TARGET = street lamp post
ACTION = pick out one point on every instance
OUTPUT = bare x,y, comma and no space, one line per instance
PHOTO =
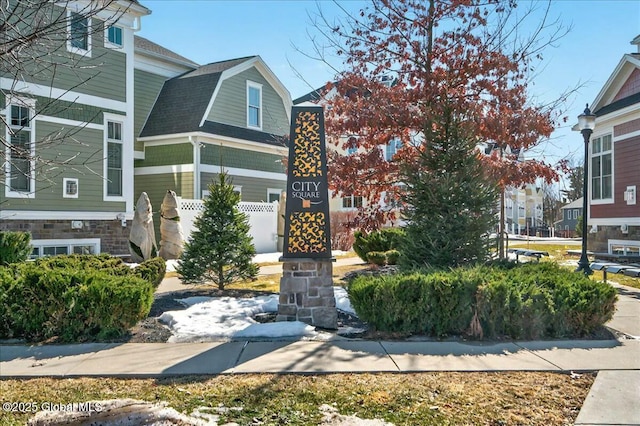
586,124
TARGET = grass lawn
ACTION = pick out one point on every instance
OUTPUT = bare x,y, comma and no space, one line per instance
407,399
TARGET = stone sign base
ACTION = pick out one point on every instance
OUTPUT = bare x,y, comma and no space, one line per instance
306,292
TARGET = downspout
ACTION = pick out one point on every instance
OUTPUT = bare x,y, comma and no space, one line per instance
196,167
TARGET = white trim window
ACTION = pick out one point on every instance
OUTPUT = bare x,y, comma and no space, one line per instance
70,188
78,33
42,248
352,202
114,164
602,168
273,194
113,36
20,150
254,105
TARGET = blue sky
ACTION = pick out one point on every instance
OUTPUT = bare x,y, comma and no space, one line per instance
213,30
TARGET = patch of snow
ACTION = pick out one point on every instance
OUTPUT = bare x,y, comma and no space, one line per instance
331,416
216,318
342,300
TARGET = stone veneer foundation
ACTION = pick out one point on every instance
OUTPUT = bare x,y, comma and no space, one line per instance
306,293
114,238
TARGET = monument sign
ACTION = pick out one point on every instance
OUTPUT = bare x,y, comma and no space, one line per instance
306,286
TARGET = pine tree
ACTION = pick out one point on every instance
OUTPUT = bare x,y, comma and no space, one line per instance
221,248
450,202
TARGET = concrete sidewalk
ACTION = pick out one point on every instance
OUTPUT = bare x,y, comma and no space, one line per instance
613,398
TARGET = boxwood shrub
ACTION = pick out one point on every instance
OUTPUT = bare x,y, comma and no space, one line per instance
381,240
524,302
74,298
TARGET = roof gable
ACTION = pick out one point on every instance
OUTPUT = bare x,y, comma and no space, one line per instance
620,84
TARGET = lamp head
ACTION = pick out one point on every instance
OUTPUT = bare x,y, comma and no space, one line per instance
586,120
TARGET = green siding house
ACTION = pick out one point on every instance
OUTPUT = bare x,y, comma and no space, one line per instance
231,115
112,115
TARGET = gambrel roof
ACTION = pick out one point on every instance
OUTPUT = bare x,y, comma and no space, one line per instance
185,101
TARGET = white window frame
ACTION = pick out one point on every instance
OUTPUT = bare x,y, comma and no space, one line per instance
258,86
70,47
30,104
111,118
601,153
625,243
69,243
274,191
352,199
66,181
108,43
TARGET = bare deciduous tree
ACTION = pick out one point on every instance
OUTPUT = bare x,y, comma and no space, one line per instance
41,40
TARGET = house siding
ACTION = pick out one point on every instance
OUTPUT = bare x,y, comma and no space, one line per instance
103,74
234,157
626,160
146,88
167,155
87,167
253,189
630,87
230,105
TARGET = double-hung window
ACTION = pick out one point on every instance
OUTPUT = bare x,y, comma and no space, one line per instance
20,150
601,168
254,105
79,38
114,159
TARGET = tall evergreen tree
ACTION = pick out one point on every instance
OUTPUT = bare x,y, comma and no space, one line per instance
450,203
221,248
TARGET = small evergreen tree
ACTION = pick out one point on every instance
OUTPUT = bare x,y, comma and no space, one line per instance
220,249
450,201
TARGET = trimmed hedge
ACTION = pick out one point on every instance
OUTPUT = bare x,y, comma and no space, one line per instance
75,298
525,302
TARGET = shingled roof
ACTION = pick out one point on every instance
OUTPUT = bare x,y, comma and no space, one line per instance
147,46
183,102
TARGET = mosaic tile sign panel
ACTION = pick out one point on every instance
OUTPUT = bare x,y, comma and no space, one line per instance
306,233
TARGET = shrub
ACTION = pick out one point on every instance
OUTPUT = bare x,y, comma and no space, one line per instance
382,240
152,270
377,258
529,301
74,298
392,256
14,247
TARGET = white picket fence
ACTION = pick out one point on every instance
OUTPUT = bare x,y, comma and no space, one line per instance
263,219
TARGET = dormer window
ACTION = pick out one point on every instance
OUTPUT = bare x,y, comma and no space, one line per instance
254,105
